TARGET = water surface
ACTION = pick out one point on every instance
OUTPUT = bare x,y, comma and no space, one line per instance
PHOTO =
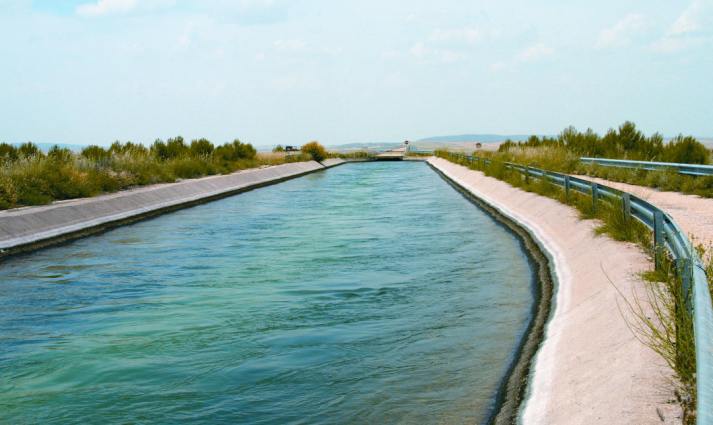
369,293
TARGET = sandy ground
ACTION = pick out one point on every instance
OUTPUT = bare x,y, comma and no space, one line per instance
590,369
693,213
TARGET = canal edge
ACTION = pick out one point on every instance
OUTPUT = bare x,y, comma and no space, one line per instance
97,226
514,388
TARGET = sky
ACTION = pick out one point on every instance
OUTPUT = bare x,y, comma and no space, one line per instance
275,71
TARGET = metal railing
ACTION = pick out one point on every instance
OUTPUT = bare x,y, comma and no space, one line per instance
688,169
667,236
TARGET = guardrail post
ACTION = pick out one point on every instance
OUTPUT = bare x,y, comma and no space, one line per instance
566,187
658,239
683,265
527,174
595,197
681,269
626,205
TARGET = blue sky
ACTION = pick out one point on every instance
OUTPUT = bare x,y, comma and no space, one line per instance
274,71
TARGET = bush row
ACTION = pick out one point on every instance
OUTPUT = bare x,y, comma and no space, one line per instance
626,142
30,177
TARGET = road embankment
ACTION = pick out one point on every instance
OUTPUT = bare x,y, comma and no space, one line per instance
25,229
590,367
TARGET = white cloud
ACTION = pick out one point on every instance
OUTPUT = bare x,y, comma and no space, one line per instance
692,19
622,32
462,35
444,45
425,53
290,45
419,50
186,36
693,26
105,7
498,66
670,44
118,7
535,52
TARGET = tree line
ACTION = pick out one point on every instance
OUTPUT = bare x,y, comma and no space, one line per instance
625,142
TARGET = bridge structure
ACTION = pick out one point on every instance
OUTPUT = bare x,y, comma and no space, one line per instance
396,154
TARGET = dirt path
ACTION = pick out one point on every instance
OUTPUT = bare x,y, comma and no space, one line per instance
693,213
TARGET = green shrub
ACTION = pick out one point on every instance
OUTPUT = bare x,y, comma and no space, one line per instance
685,150
29,150
201,147
171,149
128,148
96,153
59,154
315,150
234,151
28,177
8,153
188,168
8,194
31,186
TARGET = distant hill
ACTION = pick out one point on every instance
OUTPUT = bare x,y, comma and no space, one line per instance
367,145
484,138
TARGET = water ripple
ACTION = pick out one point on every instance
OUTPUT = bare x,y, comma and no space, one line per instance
369,293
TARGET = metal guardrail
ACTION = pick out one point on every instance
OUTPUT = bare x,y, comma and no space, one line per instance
669,236
688,169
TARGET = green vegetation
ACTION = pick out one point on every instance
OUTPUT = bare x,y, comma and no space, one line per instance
315,150
562,154
353,155
663,322
626,142
30,177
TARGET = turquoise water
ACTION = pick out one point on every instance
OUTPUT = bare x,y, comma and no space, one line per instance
368,293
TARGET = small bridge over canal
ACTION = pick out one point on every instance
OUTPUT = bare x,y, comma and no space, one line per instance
396,154
392,154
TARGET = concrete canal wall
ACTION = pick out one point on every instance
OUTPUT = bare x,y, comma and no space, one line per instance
590,368
332,162
29,228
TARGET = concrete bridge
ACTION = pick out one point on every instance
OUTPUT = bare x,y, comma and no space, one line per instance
397,154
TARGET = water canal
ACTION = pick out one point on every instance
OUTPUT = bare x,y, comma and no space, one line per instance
368,293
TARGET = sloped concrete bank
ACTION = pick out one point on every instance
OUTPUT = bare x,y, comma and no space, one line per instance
514,383
27,229
590,368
